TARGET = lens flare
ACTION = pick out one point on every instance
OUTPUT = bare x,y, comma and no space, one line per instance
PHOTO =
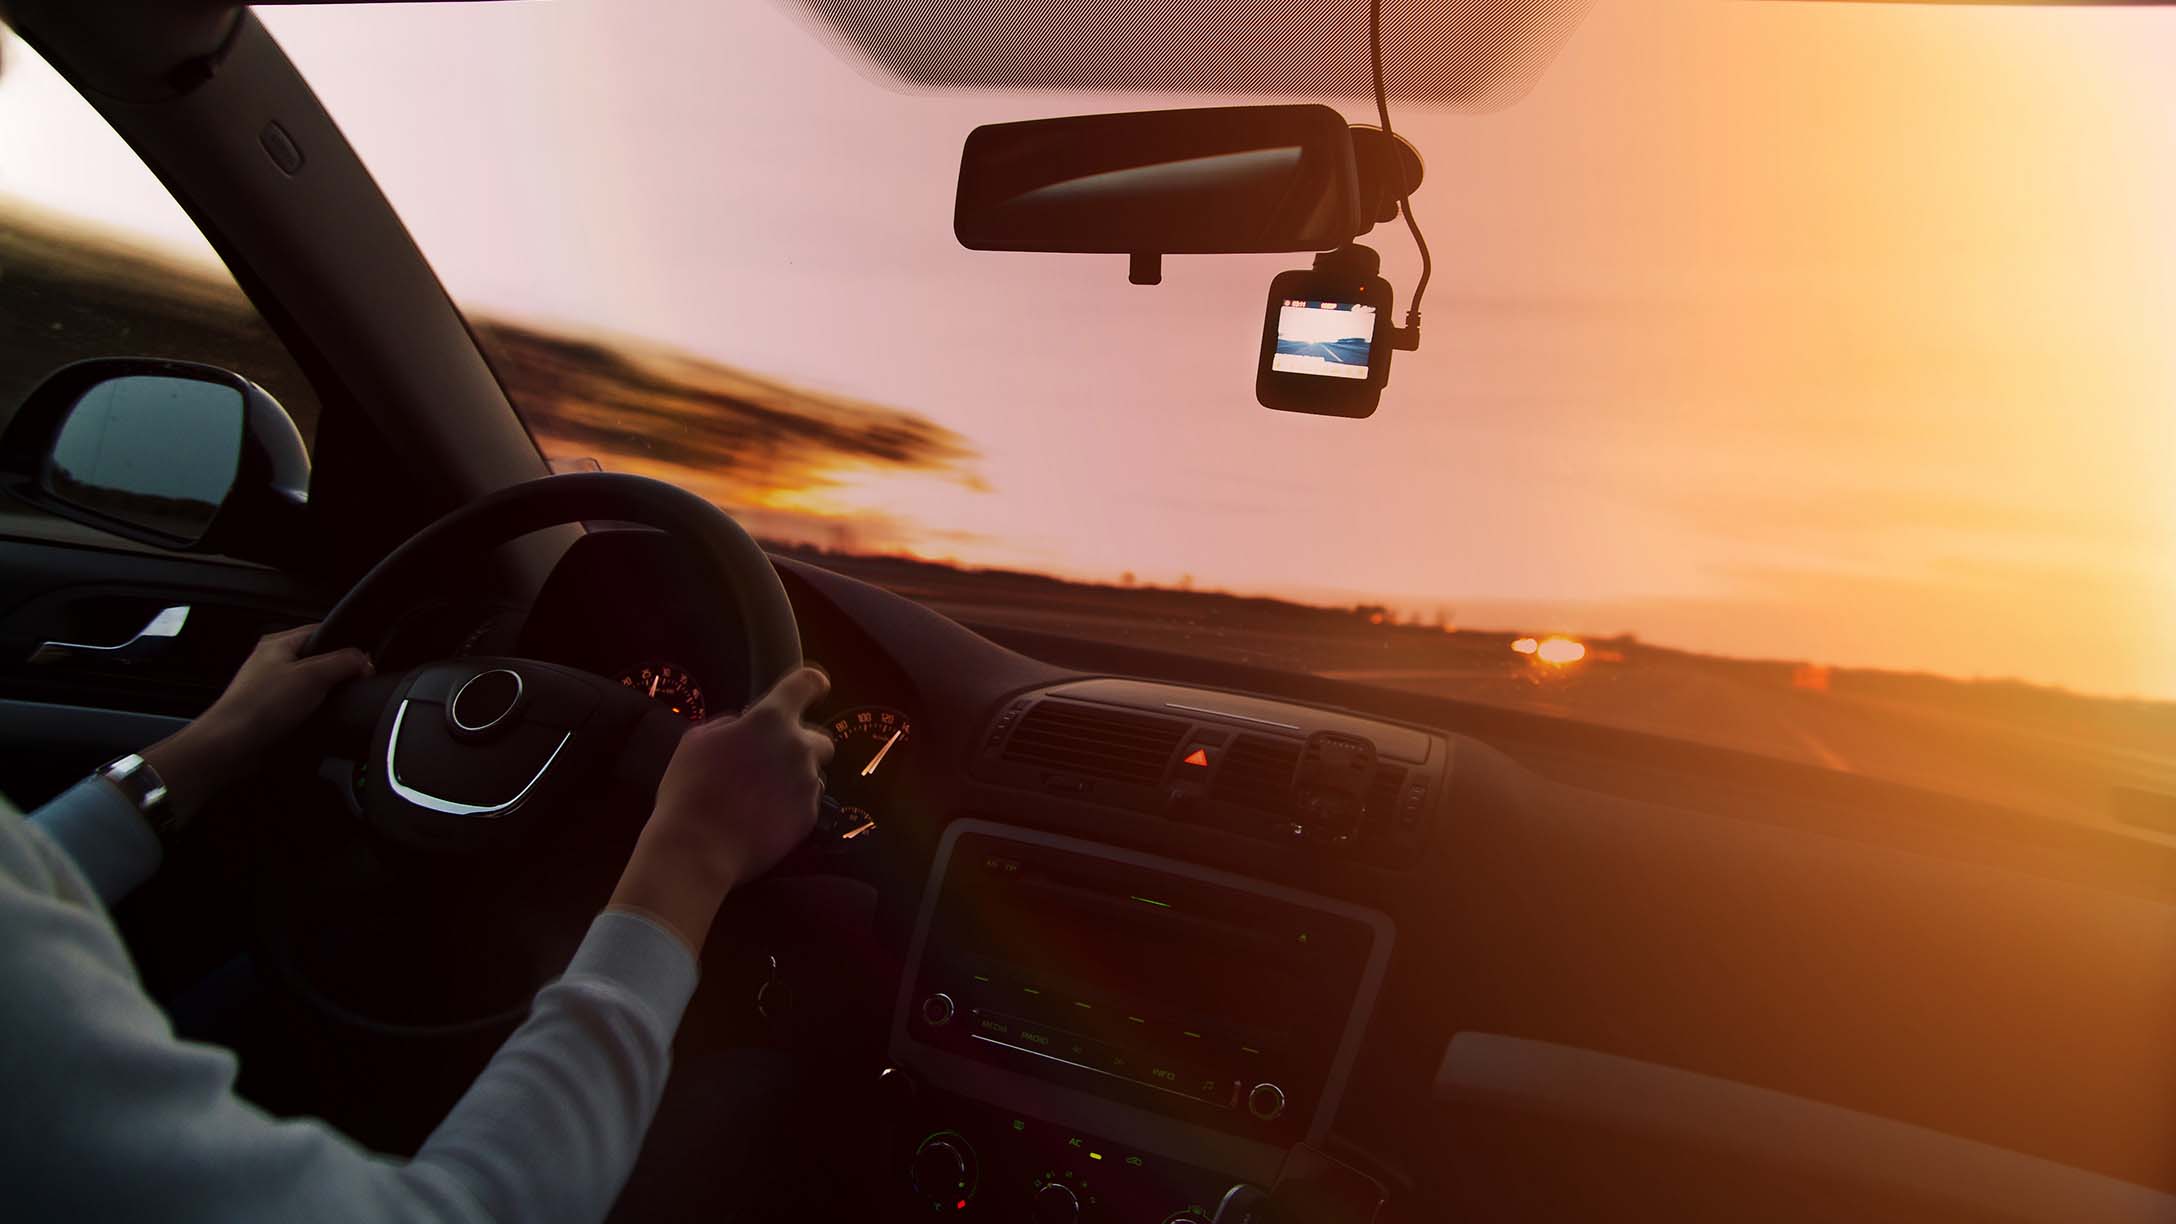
1560,651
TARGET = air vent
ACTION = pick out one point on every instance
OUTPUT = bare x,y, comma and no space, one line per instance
1258,771
1095,742
1383,790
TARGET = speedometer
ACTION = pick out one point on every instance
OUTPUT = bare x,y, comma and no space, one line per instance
871,742
868,738
670,685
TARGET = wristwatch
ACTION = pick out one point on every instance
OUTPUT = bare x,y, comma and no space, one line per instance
145,790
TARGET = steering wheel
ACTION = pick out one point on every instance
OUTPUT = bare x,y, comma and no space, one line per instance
488,783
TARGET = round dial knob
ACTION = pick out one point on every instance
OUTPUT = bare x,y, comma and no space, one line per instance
1056,1204
937,1010
1266,1102
943,1171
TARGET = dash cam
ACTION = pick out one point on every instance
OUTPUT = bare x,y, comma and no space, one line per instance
1327,337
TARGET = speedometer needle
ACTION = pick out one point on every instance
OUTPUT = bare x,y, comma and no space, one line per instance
878,759
653,684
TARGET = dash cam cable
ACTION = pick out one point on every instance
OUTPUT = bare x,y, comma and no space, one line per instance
1405,201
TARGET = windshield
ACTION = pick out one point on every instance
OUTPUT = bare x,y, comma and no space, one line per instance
1794,376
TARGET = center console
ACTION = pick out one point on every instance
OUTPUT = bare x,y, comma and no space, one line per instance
1106,1035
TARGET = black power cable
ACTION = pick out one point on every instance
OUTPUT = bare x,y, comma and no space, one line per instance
1405,202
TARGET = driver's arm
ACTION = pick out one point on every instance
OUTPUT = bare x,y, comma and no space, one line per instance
276,689
111,1117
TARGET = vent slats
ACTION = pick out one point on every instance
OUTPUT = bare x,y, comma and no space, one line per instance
1258,771
1096,742
1255,771
1383,790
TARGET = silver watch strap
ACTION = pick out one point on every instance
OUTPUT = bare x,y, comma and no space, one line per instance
144,789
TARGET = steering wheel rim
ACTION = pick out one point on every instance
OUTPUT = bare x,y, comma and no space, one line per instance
612,735
736,563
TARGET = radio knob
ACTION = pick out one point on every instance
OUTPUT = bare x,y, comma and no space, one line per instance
1056,1204
937,1010
943,1170
1266,1102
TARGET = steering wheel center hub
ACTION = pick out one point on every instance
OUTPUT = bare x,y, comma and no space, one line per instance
484,701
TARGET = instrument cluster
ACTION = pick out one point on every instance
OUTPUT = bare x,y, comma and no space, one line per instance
872,742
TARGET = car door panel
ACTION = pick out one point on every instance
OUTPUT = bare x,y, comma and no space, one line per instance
70,697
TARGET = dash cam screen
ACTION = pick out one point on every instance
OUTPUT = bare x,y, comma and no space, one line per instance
1326,338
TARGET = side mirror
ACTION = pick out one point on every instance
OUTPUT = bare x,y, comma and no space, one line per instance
169,453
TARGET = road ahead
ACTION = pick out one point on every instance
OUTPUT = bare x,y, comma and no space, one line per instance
2034,766
1344,352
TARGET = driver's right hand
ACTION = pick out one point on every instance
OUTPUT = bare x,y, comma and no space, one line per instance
739,795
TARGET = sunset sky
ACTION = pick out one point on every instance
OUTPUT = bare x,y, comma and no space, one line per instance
1823,331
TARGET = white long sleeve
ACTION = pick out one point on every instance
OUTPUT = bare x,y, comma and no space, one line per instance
108,1116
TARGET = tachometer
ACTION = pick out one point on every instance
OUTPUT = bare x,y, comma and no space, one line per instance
670,685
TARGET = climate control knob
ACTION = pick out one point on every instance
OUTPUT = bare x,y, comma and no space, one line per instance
943,1170
1056,1204
1266,1102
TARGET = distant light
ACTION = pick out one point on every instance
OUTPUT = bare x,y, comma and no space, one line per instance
1526,646
1561,651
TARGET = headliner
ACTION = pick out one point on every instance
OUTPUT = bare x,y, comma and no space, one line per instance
1475,55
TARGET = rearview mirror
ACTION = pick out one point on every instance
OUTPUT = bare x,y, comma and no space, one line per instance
170,453
1220,180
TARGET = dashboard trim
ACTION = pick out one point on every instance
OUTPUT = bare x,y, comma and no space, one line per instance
1249,718
1249,1159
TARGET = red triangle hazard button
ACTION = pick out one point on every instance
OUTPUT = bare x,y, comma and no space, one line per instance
1199,756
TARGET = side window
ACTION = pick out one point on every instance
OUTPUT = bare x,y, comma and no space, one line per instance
97,260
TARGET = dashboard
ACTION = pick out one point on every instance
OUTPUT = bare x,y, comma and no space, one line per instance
1147,944
1067,1000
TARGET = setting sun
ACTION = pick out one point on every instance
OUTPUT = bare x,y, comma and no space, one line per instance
1560,651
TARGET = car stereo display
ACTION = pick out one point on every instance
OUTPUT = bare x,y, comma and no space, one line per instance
1189,999
1330,339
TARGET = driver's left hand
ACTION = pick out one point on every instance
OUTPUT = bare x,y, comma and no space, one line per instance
273,693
